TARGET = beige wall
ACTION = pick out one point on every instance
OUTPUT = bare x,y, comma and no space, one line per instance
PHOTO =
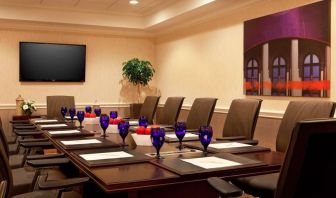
207,60
104,58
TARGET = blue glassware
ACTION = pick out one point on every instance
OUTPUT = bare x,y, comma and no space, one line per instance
80,117
64,110
97,111
157,138
180,131
143,121
72,113
205,136
123,130
113,114
88,109
104,123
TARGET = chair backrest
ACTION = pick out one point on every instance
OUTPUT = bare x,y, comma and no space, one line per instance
201,112
309,166
5,171
171,110
3,189
54,104
149,106
297,111
242,118
3,141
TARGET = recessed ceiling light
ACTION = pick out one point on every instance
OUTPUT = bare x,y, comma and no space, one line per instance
133,2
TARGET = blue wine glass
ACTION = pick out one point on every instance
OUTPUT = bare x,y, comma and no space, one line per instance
72,113
88,109
80,117
64,110
143,121
180,131
97,111
104,123
113,114
123,130
157,138
205,136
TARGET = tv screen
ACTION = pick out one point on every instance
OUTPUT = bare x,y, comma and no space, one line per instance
52,62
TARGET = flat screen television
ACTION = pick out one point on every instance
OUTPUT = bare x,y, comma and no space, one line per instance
52,62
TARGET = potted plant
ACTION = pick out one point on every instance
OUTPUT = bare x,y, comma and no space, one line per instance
28,107
138,72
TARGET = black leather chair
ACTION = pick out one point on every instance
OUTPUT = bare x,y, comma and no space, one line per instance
148,108
309,166
170,111
20,182
264,185
241,120
54,104
200,113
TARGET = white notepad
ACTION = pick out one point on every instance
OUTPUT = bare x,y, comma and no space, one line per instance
133,122
64,132
189,135
77,142
53,125
44,121
105,155
68,117
228,145
211,162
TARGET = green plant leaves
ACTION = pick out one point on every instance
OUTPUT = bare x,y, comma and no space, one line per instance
138,71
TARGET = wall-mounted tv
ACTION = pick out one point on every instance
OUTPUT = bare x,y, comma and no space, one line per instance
52,62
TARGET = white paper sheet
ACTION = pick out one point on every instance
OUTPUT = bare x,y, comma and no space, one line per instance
52,125
44,121
211,162
105,155
64,132
189,135
228,145
133,122
68,117
77,142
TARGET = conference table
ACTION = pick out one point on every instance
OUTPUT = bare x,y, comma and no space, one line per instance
143,175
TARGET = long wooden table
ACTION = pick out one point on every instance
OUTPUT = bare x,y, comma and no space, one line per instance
160,178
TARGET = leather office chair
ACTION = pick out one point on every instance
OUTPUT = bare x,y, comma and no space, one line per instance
241,120
54,104
148,108
309,166
200,113
12,184
171,111
264,185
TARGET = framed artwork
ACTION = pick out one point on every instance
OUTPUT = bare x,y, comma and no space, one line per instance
288,53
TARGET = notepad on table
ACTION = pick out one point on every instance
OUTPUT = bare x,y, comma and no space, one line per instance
211,162
68,117
105,155
53,125
45,121
77,142
228,145
133,122
187,135
64,132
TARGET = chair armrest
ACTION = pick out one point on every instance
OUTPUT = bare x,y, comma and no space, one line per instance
50,156
34,140
25,127
64,183
3,189
28,133
251,142
47,162
36,144
224,188
232,138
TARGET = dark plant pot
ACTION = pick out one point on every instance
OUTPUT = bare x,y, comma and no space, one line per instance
135,110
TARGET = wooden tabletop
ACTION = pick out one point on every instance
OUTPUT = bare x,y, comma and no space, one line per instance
152,178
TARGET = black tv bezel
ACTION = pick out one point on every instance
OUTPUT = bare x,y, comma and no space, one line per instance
51,80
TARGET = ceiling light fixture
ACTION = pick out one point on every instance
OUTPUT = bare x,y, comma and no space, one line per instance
133,2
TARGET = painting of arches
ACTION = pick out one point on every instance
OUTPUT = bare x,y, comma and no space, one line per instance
288,53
